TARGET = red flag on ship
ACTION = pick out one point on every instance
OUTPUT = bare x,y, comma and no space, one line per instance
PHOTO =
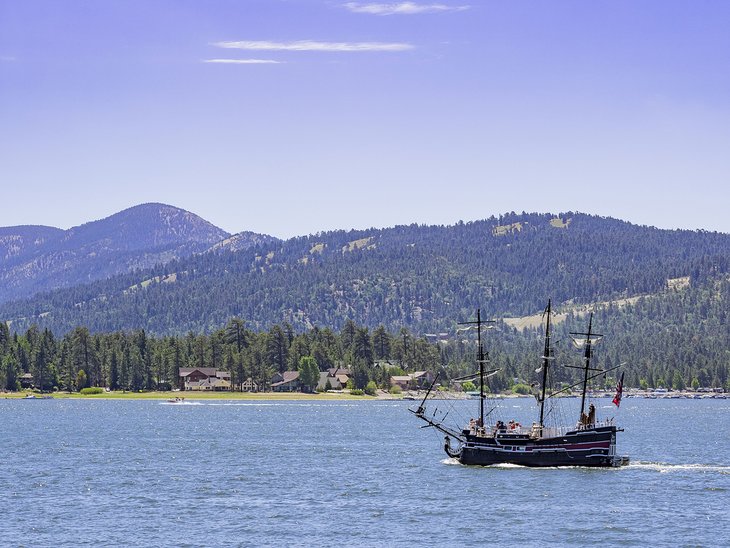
619,391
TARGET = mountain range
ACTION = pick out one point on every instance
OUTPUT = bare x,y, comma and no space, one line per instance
40,258
167,271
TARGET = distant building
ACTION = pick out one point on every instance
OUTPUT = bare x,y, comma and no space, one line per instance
403,381
26,381
422,379
204,378
442,338
335,378
413,381
288,381
249,385
340,374
327,382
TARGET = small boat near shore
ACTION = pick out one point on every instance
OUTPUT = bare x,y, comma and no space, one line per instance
589,442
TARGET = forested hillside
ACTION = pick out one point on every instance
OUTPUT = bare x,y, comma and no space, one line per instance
425,278
675,340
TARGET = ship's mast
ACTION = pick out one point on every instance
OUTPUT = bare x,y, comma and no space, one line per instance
480,357
587,340
545,364
481,360
586,365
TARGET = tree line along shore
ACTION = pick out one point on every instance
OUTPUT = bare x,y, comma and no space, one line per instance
134,361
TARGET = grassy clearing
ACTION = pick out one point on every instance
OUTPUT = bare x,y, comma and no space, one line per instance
501,230
537,320
559,223
356,244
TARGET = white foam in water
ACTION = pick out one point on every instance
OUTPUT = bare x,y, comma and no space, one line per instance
663,467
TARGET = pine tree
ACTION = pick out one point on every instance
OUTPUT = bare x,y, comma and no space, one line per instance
277,349
236,333
113,371
381,343
362,349
10,370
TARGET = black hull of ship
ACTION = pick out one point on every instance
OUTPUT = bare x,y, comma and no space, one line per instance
592,447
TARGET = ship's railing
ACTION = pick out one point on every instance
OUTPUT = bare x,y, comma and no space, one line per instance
596,424
550,431
555,431
535,430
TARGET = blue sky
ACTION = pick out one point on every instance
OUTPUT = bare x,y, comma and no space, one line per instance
291,117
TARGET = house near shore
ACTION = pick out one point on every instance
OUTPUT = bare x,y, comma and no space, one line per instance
204,379
26,381
417,380
338,375
402,381
288,381
328,382
249,385
335,378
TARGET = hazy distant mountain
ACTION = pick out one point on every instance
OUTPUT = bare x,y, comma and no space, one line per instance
39,258
422,277
21,241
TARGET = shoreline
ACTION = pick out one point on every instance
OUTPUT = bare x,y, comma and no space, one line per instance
188,396
300,396
326,396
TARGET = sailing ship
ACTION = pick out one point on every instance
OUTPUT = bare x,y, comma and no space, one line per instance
589,442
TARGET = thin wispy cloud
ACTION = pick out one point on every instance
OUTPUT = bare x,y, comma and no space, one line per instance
400,8
310,45
243,61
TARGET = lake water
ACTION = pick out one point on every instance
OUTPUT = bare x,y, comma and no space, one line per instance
143,473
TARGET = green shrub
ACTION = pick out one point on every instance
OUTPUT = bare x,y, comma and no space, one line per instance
520,388
356,392
371,388
395,390
91,390
469,386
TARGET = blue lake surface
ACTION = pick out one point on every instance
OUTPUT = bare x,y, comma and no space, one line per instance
144,473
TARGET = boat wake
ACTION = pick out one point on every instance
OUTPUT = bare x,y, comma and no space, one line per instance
512,466
180,403
665,468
